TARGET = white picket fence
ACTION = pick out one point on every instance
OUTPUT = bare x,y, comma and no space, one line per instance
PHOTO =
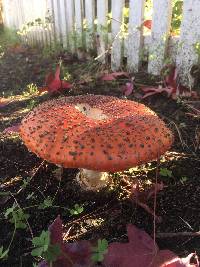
75,22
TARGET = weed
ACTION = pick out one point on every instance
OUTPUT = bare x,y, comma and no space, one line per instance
3,253
165,172
17,217
44,249
183,179
47,203
31,89
76,210
32,103
100,250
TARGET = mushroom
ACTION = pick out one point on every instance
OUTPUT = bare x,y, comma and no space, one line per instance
97,134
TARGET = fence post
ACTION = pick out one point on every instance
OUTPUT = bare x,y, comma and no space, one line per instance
162,13
89,14
78,23
135,34
50,28
117,15
102,12
189,38
63,23
1,15
70,24
57,15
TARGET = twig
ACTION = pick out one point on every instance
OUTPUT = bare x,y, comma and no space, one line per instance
154,202
32,176
165,235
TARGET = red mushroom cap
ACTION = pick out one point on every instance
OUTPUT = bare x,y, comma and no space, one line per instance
126,133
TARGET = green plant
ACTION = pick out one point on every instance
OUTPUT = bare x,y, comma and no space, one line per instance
176,16
17,216
183,179
76,210
3,253
31,89
100,250
165,172
48,202
32,103
43,247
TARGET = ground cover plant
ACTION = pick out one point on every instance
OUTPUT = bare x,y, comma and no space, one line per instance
34,192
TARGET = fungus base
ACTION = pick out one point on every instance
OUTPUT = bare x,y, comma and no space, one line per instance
92,180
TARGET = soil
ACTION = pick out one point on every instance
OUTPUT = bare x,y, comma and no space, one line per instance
107,212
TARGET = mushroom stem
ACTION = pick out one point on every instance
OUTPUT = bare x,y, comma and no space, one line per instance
92,180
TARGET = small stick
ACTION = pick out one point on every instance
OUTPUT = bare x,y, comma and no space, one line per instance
165,235
32,176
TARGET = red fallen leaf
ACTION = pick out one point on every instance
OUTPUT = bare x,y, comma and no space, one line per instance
141,197
53,83
172,87
4,102
114,75
127,89
148,23
141,251
72,254
171,78
156,90
12,129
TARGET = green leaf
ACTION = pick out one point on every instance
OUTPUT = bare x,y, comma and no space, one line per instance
52,253
76,210
19,218
36,252
8,211
165,172
48,202
30,196
102,244
42,241
97,257
100,250
3,253
183,179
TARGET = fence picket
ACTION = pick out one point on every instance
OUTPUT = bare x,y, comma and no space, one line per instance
51,29
56,15
134,42
63,23
78,23
189,37
161,22
102,12
89,14
70,23
117,14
